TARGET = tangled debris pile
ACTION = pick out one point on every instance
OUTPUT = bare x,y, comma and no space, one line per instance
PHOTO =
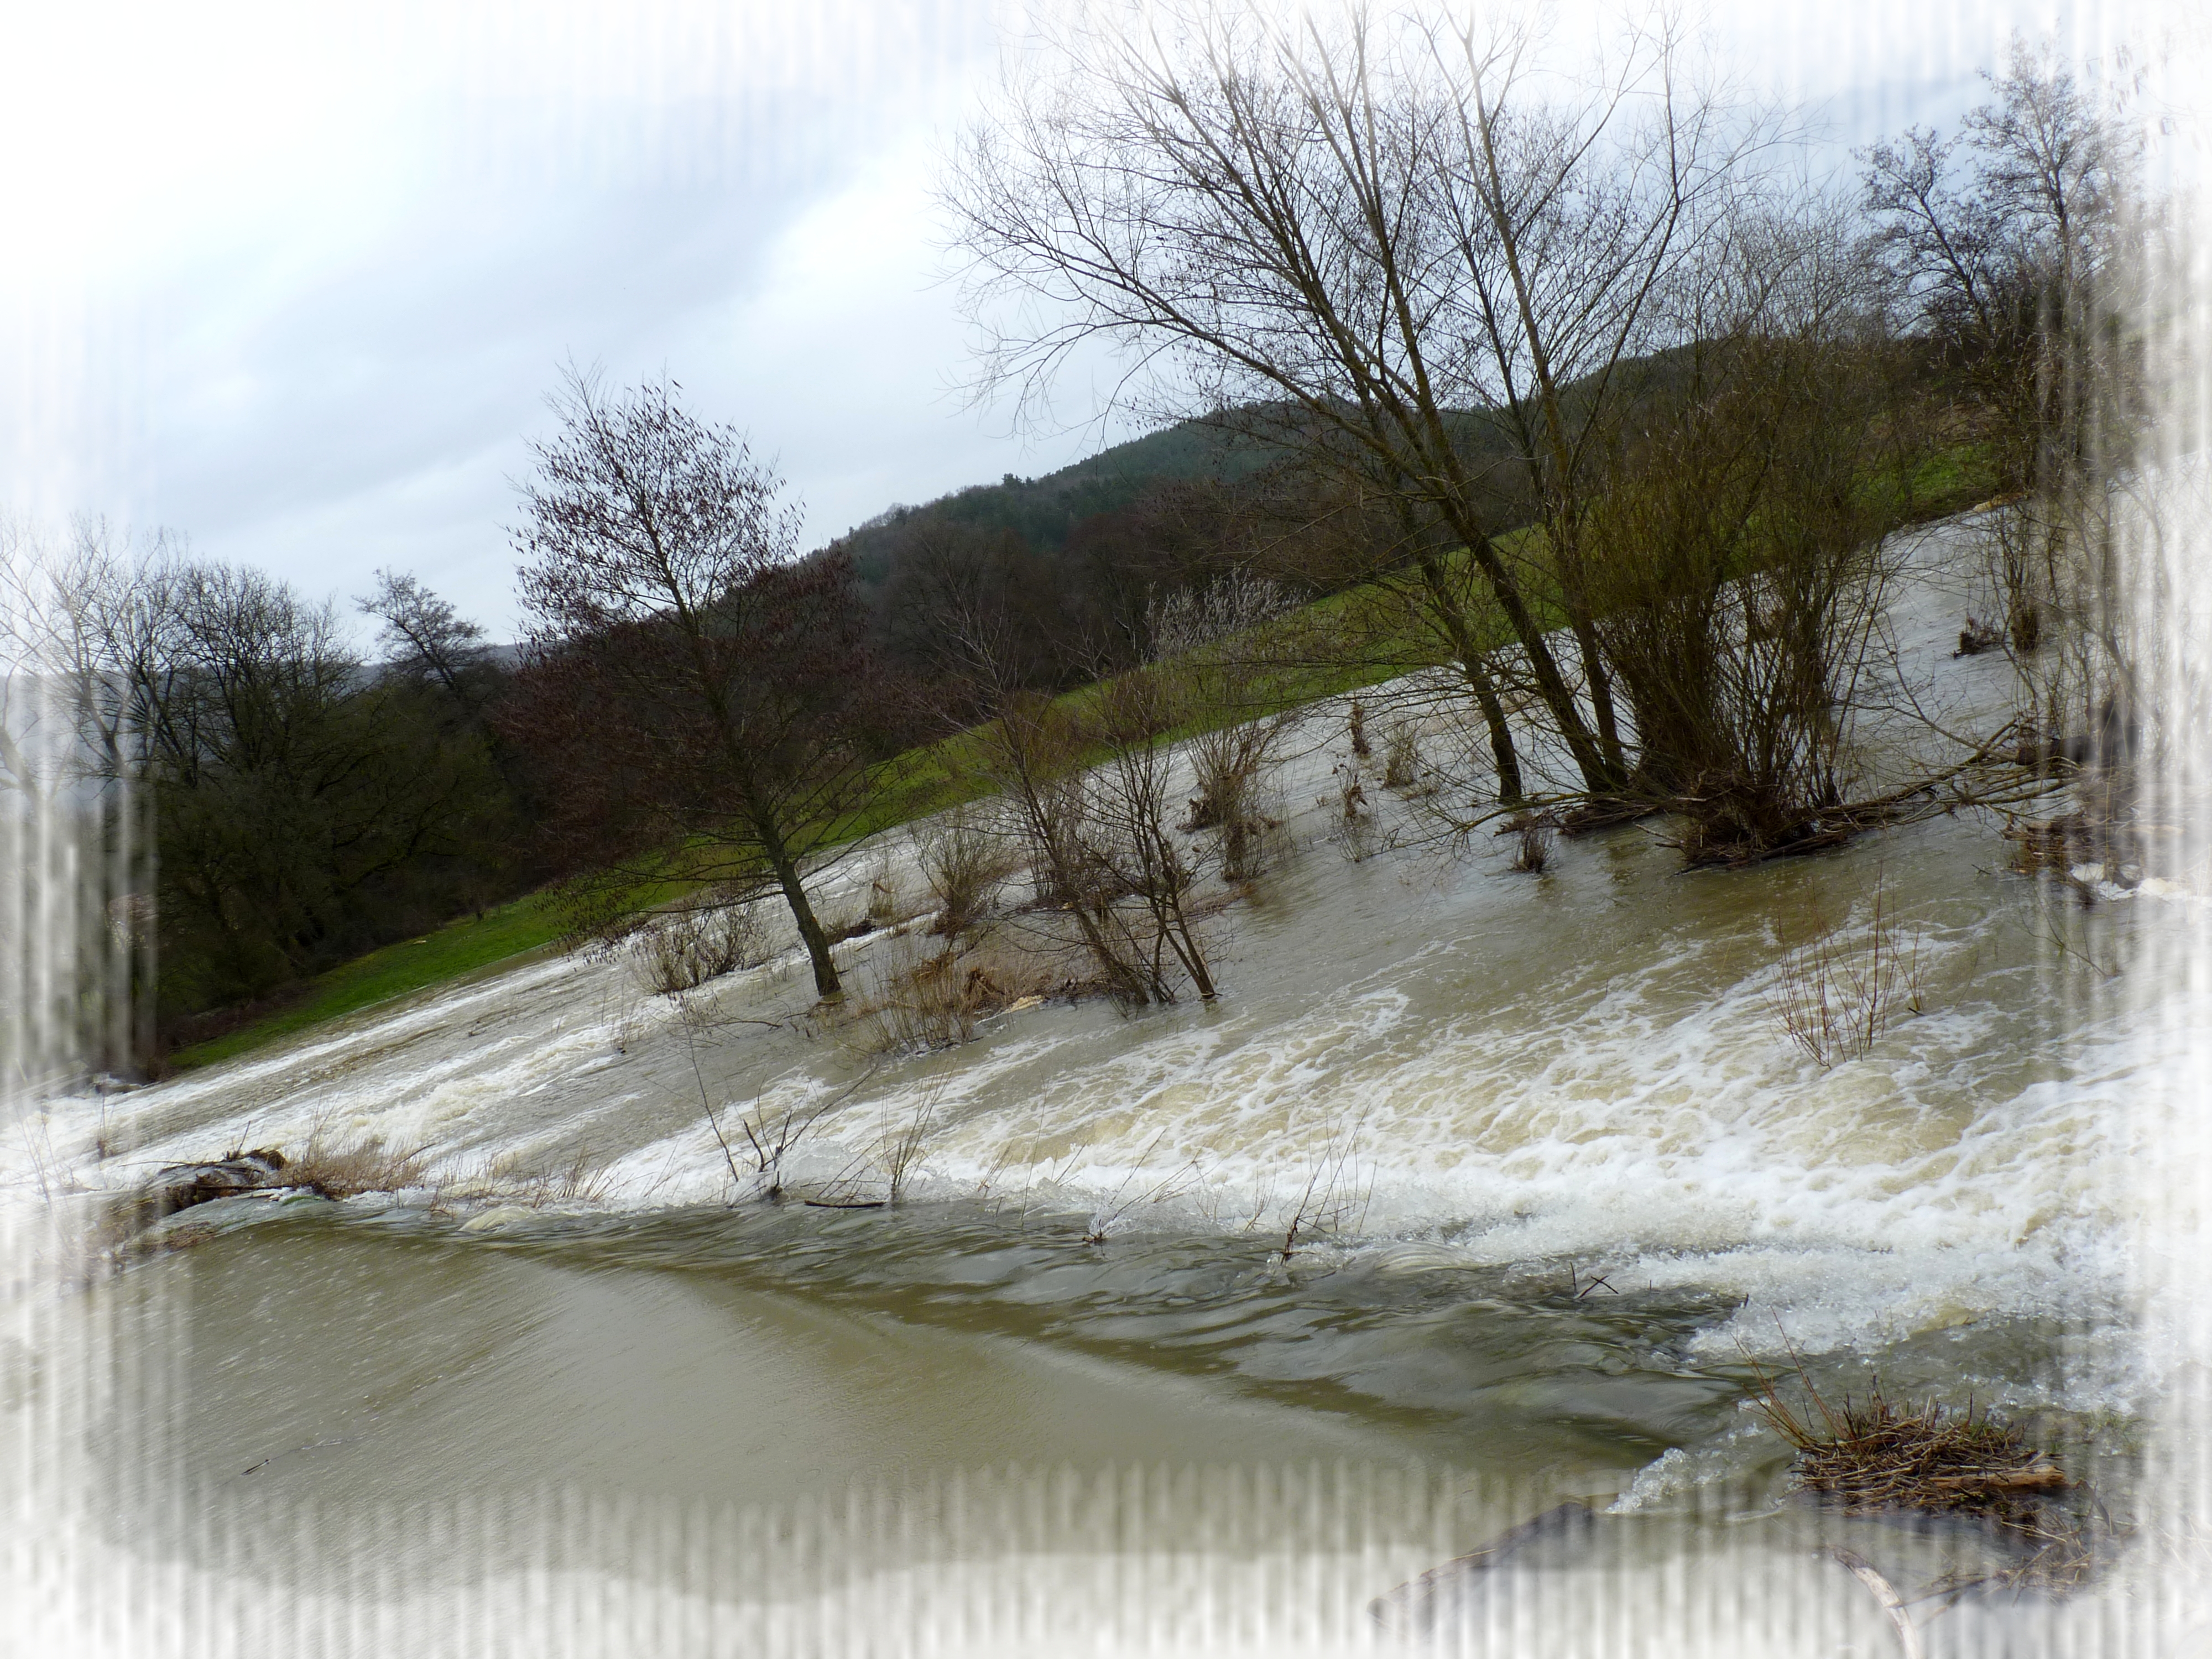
2099,849
1875,1457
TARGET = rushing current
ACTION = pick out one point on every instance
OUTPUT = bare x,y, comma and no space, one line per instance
1197,1327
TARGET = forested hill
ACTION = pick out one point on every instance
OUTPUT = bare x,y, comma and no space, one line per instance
1043,511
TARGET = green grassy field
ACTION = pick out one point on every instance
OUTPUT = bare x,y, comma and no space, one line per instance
913,785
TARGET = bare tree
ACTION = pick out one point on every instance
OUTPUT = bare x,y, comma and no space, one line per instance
1383,245
1132,842
704,690
423,632
2013,245
1088,786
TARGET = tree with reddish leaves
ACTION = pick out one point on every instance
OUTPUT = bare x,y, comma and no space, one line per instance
703,695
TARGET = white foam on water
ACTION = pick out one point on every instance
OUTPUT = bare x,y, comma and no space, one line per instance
1502,1070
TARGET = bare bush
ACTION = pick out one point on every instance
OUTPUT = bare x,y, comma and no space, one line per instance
1836,995
1977,637
1401,757
1355,832
680,949
1333,1199
1111,1214
772,1132
1134,716
966,861
1534,834
899,1153
511,1179
1190,619
1100,840
1229,764
936,1001
893,1158
887,904
1357,724
1212,646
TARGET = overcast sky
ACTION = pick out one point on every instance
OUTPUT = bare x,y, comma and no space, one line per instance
293,278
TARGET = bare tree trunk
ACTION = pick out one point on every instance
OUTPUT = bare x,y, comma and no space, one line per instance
826,985
1451,616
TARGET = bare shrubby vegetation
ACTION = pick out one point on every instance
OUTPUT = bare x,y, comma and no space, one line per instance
677,950
1134,814
1099,835
1330,1201
1191,619
888,904
936,998
1222,648
1533,836
880,1174
1353,828
529,1182
1836,995
1112,1212
966,858
772,1133
1401,755
899,1153
1231,765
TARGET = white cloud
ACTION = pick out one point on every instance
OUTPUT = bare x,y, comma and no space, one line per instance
293,278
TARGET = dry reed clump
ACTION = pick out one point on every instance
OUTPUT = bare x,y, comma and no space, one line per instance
1401,757
966,863
366,1166
1875,1457
1357,723
681,949
581,1180
1834,998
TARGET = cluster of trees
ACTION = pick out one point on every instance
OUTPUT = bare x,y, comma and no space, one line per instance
1571,379
309,804
1079,609
1634,407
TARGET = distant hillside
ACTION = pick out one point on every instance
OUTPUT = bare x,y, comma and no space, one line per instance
1044,510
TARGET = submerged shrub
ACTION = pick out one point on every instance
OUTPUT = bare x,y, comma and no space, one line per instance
936,1001
1537,833
966,863
1401,757
1836,995
1231,765
681,949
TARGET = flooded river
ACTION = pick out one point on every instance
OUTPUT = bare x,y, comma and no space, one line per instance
1196,1329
